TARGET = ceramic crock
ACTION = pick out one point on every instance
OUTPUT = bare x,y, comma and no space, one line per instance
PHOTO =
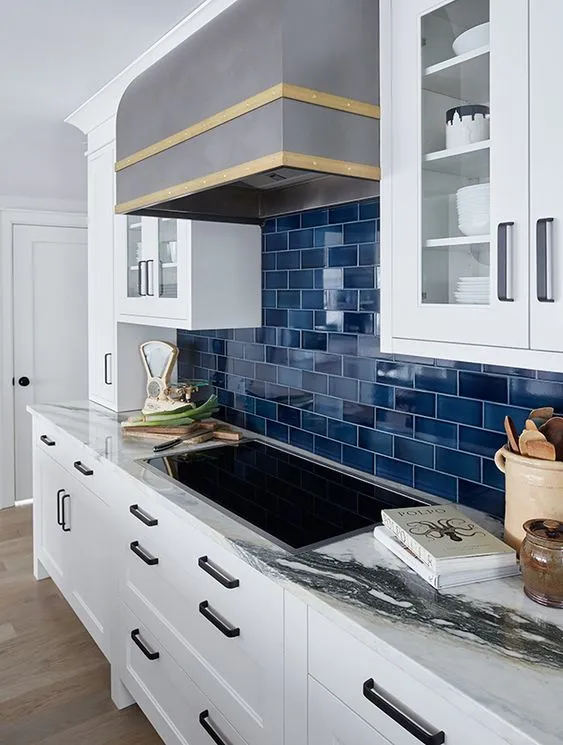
534,489
541,559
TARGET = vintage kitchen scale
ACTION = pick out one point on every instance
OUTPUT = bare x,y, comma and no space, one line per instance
159,359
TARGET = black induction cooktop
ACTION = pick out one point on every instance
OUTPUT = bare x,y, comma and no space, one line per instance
296,502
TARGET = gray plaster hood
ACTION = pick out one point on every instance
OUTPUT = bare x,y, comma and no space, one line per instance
270,108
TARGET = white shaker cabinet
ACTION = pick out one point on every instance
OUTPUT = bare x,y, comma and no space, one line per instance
188,274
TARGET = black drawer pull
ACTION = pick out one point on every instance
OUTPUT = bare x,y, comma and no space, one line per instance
229,631
147,558
84,470
141,515
204,563
135,634
47,440
404,720
203,717
64,525
59,517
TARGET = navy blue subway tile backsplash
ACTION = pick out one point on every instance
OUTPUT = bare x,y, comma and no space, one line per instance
313,375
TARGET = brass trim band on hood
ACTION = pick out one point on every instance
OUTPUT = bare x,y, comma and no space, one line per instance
281,90
251,167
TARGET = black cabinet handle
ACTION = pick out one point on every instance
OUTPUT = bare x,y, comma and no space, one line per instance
229,631
228,582
203,717
135,634
141,553
107,379
149,273
47,440
141,515
544,260
84,470
404,720
505,273
64,525
59,517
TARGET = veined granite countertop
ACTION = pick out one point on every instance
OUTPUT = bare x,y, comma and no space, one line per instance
486,641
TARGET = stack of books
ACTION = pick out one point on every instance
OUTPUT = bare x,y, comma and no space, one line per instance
444,546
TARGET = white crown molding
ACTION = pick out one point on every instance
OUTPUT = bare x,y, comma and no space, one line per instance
103,104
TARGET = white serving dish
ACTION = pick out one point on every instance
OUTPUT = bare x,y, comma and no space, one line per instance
473,209
473,38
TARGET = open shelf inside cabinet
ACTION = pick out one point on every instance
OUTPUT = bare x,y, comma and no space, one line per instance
464,77
470,161
462,241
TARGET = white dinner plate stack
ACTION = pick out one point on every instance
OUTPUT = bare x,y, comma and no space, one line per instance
472,290
474,209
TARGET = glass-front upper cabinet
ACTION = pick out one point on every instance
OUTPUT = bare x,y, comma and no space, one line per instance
454,155
137,257
167,258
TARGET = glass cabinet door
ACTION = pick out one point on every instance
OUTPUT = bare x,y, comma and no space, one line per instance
459,214
167,258
137,259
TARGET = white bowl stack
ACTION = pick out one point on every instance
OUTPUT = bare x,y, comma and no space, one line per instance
472,290
473,38
474,209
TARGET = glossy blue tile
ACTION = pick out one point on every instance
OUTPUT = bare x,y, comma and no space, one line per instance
289,376
343,213
369,301
376,395
462,410
549,375
266,372
345,388
207,360
276,242
358,323
328,363
330,235
269,260
301,399
256,388
358,414
413,451
313,340
343,256
314,382
275,280
394,422
254,352
509,371
394,470
481,498
369,210
535,393
313,299
436,432
435,483
480,441
328,448
301,279
245,335
288,338
288,222
277,431
235,349
368,254
458,464
301,239
314,423
256,424
314,217
484,387
269,299
360,232
301,359
362,369
328,406
300,319
218,346
236,418
329,279
491,475
341,299
277,393
312,258
276,317
472,366
342,431
437,379
329,320
352,457
287,259
226,398
287,415
495,413
394,373
222,365
359,278
269,226
266,409
343,344
415,402
300,439
289,299
277,355
368,346
244,403
378,442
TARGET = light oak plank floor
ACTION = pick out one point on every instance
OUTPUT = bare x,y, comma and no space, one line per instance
54,681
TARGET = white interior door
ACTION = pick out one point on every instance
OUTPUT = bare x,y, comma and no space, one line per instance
50,328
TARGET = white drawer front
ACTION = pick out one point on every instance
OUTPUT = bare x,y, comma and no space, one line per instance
361,678
177,708
239,665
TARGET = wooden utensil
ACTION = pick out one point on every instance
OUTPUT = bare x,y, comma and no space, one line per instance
163,430
226,434
526,437
545,412
512,434
541,449
553,432
198,439
531,425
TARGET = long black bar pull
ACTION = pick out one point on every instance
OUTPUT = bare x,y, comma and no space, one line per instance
505,272
544,260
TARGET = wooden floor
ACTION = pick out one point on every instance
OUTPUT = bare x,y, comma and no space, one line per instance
54,681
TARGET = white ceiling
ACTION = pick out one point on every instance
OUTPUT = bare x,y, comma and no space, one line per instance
54,54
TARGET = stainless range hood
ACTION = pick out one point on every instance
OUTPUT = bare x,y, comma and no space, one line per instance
270,108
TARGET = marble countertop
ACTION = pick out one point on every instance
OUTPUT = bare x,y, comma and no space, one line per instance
486,641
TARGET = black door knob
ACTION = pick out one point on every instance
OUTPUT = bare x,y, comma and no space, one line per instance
24,382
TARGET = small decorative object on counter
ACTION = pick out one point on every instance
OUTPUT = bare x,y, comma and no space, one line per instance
541,559
466,125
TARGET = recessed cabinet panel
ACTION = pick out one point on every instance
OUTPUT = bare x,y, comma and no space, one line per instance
457,199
